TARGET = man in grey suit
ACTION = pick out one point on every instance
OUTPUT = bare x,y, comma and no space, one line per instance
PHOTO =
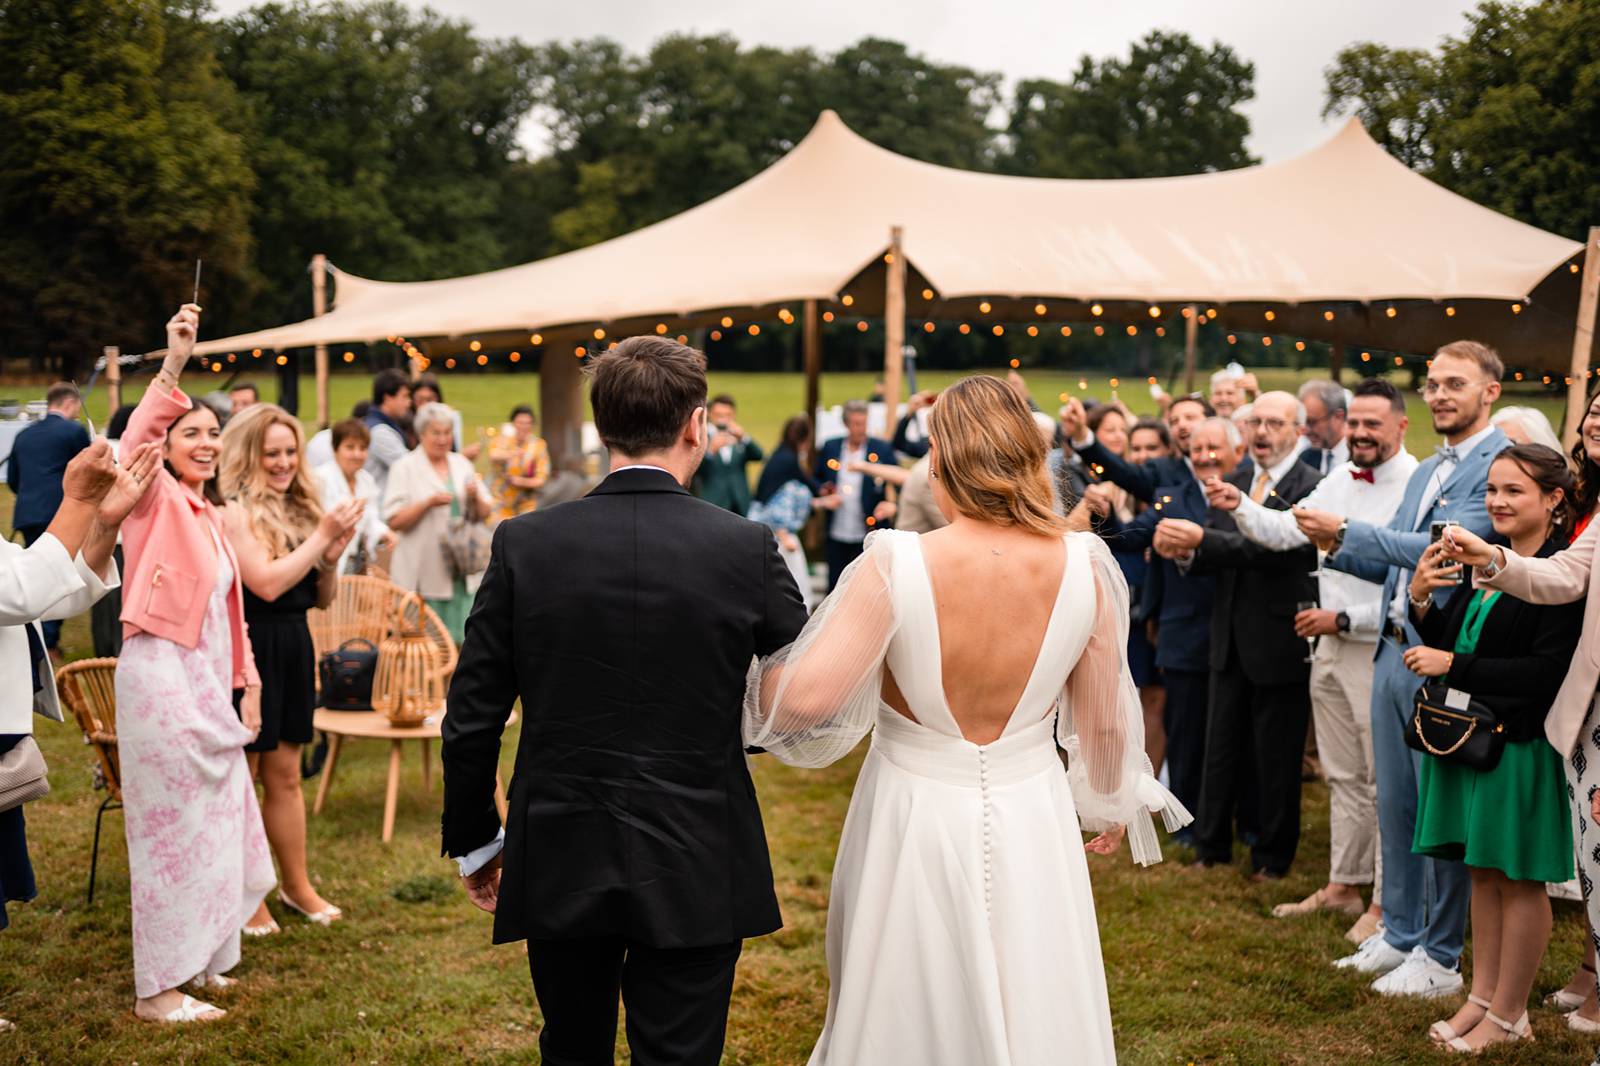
1424,900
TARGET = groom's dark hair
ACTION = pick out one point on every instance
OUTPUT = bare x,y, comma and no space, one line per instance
643,391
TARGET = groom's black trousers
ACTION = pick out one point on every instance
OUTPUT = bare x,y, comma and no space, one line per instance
676,1001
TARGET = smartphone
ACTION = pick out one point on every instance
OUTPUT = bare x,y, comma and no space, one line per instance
1435,534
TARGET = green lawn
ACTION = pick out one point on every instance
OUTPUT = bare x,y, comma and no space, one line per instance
1199,971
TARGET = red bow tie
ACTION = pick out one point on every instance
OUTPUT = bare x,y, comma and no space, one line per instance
1364,475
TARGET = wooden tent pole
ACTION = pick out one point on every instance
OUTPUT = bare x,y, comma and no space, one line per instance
113,379
1191,339
894,331
1583,336
319,307
811,346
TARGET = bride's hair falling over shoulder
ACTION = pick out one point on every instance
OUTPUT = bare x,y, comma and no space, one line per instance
989,457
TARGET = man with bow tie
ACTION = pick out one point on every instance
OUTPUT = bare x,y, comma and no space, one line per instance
1425,900
1366,487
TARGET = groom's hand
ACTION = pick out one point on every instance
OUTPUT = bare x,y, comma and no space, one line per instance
483,885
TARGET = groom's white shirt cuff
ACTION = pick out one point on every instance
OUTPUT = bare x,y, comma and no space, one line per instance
474,860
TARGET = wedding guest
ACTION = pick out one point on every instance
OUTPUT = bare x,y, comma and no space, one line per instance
1527,425
784,497
344,477
1260,705
1510,825
425,390
430,486
1573,725
919,511
198,865
67,568
857,501
910,433
288,549
1231,388
242,396
1327,411
1069,474
722,478
391,406
520,462
39,456
319,449
1183,414
1424,897
1345,625
105,617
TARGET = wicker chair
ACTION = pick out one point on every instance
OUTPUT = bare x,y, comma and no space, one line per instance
365,607
88,688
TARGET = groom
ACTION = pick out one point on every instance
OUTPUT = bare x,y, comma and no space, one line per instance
634,857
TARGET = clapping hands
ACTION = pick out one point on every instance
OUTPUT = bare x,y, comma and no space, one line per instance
1176,538
1222,495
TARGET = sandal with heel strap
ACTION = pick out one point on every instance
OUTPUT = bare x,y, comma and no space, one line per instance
1522,1029
1441,1032
326,916
190,1010
1564,1001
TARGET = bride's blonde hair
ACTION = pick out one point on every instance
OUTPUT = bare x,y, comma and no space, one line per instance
280,520
990,459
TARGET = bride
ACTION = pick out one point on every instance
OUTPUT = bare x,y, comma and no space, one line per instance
962,928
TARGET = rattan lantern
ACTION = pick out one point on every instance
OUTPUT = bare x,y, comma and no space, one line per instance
408,685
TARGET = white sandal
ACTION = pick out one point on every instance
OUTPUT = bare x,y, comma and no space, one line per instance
1522,1030
1579,1024
190,1010
1564,1001
261,930
326,916
1441,1032
214,980
7,1027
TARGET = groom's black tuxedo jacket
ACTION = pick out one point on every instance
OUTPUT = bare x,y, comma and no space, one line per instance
626,622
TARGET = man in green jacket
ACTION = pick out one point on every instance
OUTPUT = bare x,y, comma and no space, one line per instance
722,479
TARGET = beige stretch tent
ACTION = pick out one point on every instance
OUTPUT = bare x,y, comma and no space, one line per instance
1341,243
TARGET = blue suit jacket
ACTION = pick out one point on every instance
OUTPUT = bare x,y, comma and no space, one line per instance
827,472
39,456
1184,615
1383,553
1142,479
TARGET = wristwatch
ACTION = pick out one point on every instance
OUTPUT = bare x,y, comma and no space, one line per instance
1342,621
1338,538
1493,566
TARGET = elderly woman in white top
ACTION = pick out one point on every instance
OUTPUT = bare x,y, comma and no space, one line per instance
425,490
65,571
1528,425
344,478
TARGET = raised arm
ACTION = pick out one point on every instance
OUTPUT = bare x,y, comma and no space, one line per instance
1559,578
1101,727
270,578
808,704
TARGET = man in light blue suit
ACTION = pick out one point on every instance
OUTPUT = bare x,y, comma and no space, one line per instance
1425,900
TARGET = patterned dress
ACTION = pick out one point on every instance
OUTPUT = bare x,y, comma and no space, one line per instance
518,460
197,852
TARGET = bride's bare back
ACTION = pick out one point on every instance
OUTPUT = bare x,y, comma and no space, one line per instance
994,589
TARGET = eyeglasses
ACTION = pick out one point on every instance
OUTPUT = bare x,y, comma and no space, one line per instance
1453,386
1274,425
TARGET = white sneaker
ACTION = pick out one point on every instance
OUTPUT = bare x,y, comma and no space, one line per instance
1375,956
1419,975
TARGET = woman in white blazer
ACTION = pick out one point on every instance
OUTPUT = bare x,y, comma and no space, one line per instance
62,574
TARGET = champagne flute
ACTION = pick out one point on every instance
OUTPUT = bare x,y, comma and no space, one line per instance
1311,642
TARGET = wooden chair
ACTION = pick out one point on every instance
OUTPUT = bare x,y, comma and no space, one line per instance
88,688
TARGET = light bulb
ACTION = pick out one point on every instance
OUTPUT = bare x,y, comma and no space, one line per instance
1096,310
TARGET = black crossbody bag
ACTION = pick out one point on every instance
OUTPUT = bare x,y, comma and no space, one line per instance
1472,735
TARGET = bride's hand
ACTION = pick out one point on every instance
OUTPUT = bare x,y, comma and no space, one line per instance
1108,842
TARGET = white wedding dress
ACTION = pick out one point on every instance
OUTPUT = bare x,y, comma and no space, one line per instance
961,930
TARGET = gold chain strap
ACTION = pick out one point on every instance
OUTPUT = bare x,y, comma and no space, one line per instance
1416,723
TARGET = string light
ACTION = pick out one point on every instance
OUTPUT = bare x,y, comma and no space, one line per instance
256,352
1096,310
1366,357
1449,312
1188,312
998,330
1390,311
755,330
515,357
475,345
1161,331
216,368
1327,316
579,351
1572,267
232,358
927,327
1211,312
1519,375
683,338
349,357
1039,309
283,360
1232,339
536,339
716,334
847,299
1299,346
727,321
1099,331
1064,396
661,329
1114,383
827,316
1155,312
861,327
1270,315
1083,383
1066,331
1399,361
983,308
888,257
483,360
1033,331
1516,309
1266,342
449,364
927,294
964,329
1133,331
1015,363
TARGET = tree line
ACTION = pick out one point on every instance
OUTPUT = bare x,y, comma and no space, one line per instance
143,134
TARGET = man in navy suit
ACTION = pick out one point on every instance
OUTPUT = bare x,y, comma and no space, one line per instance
1140,479
1183,618
1424,900
39,457
855,500
1326,413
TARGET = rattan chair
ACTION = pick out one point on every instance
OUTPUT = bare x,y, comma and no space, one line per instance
88,688
365,606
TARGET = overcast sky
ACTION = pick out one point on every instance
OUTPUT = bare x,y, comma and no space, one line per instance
1290,43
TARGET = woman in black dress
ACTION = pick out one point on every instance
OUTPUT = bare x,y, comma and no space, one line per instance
288,550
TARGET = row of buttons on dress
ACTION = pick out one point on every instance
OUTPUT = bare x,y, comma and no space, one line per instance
988,864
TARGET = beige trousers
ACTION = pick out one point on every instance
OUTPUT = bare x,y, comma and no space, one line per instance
1341,706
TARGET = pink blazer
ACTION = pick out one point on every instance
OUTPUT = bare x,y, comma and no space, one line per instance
171,561
1563,578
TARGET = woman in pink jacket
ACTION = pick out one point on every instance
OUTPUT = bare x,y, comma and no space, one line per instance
198,863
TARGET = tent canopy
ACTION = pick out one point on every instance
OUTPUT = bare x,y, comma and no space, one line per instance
1341,243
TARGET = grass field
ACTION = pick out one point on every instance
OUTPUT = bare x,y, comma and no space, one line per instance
1199,972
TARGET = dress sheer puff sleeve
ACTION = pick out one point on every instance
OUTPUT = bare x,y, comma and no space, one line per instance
1101,727
808,704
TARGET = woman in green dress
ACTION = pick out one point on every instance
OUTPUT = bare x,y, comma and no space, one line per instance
1510,825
